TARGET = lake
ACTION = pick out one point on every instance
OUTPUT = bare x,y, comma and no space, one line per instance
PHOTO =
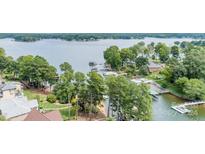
78,54
162,110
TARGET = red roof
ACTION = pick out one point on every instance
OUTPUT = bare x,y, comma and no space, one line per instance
54,116
36,115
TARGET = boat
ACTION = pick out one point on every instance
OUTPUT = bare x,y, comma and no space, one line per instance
91,63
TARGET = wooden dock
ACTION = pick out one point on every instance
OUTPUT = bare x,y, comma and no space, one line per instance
183,107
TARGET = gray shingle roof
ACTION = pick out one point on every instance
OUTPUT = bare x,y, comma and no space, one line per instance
154,65
16,106
8,86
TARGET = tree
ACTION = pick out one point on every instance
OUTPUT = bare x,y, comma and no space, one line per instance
128,100
177,43
150,47
3,64
66,67
64,88
143,70
141,61
126,56
175,51
52,76
181,82
184,44
174,69
12,68
96,87
194,62
112,57
139,49
36,71
91,94
193,89
79,81
162,50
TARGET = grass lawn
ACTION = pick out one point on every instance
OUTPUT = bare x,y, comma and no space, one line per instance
46,106
67,114
172,88
30,94
169,86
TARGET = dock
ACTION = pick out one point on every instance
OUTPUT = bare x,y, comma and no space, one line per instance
183,107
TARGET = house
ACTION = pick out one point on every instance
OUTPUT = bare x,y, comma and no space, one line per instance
36,115
155,67
9,90
17,108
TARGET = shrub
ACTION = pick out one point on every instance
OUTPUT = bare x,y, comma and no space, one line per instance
51,98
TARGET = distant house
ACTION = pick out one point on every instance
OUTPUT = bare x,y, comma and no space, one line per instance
9,90
155,67
17,108
36,115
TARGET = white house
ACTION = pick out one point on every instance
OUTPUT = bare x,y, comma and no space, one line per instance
9,90
13,105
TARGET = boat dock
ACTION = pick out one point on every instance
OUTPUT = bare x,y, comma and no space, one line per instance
183,107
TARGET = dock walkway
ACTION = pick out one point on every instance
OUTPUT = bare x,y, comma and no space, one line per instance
183,107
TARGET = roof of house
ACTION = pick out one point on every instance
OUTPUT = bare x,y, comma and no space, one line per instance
54,115
154,65
8,86
17,106
36,115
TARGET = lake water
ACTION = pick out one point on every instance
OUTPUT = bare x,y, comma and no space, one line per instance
75,52
78,54
162,110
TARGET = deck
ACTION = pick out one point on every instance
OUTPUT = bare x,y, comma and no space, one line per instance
183,107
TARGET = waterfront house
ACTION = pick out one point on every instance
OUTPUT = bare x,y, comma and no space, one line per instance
155,67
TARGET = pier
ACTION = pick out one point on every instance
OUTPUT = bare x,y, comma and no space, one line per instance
183,107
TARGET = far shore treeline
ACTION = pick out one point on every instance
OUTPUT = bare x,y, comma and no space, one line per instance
31,37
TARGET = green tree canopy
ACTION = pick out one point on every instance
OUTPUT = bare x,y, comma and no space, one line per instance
175,51
112,57
128,100
193,89
162,50
35,70
66,67
194,62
